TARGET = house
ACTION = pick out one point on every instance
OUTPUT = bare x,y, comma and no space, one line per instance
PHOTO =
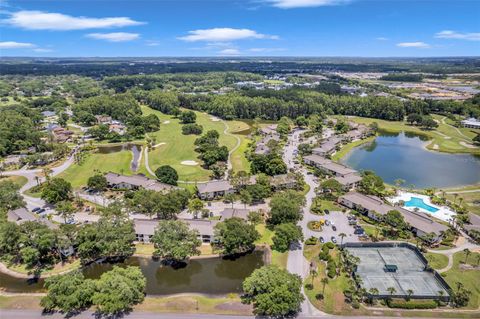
214,189
22,215
327,166
262,145
117,181
269,130
61,134
120,129
471,123
145,228
48,114
234,212
283,181
13,160
358,133
349,181
103,119
373,207
474,223
327,147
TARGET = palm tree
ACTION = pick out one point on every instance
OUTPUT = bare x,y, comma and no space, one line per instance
47,172
313,273
478,260
455,198
467,253
342,236
373,292
391,290
230,198
409,293
324,281
460,201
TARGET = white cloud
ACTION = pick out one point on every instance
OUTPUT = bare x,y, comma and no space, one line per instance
114,36
39,20
16,45
224,35
418,44
229,52
260,50
42,50
448,34
152,43
288,4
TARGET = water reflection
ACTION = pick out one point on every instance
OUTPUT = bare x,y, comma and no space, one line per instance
403,156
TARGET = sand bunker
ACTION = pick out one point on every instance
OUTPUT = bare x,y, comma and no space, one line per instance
467,145
215,119
166,122
189,163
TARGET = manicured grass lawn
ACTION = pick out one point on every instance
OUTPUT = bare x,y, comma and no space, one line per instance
437,261
20,302
472,200
58,268
449,145
334,300
239,161
330,205
469,278
195,304
19,180
118,162
179,147
278,258
347,148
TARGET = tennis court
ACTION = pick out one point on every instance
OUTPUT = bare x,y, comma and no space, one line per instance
397,267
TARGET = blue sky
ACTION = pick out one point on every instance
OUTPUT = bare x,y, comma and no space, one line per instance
375,28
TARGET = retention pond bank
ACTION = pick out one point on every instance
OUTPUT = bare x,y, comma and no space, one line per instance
404,156
207,275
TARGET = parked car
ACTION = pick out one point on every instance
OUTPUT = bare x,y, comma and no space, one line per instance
359,231
326,211
327,223
321,239
41,211
36,209
334,228
334,240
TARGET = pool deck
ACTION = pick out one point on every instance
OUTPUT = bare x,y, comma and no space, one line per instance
444,213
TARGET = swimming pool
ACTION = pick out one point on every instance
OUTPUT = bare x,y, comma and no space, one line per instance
418,202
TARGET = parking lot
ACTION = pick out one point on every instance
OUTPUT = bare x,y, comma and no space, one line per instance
340,221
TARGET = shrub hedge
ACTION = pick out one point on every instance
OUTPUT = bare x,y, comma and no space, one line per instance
412,304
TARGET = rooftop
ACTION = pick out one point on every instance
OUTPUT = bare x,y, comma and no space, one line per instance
214,186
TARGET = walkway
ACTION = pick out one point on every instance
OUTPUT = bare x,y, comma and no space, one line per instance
34,177
450,252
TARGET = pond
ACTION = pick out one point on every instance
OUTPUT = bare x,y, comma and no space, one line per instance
136,150
404,156
208,275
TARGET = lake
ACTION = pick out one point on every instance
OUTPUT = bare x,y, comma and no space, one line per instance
404,156
134,148
208,275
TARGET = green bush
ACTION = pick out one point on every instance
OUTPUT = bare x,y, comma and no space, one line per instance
311,241
323,256
412,304
330,245
331,269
